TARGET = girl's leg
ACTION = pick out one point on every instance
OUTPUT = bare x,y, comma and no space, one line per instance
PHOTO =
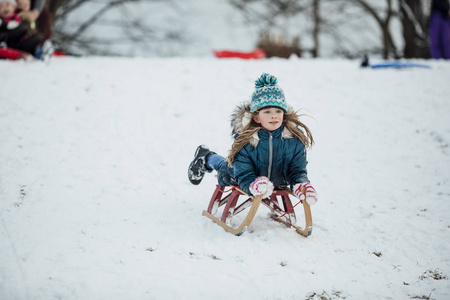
30,44
214,161
13,37
225,176
435,35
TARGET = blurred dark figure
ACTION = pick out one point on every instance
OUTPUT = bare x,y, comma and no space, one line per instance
439,29
365,62
40,14
44,21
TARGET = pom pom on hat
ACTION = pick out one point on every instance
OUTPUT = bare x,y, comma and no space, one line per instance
265,80
267,94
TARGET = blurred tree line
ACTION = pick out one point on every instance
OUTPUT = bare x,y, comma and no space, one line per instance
325,16
320,18
74,22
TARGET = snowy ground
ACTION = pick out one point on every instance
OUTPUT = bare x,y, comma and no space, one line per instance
95,201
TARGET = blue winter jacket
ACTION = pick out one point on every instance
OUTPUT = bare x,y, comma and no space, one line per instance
278,155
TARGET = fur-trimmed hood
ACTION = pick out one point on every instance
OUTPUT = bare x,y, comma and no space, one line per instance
241,116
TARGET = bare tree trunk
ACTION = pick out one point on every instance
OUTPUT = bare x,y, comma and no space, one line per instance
316,30
135,32
388,42
414,24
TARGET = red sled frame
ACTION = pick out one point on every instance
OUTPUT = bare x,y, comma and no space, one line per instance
283,213
255,54
13,54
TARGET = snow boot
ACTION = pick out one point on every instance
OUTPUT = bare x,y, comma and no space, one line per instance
45,51
197,168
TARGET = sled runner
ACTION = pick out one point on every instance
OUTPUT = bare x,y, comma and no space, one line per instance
282,213
399,65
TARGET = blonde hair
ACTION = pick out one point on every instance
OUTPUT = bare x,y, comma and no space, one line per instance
291,121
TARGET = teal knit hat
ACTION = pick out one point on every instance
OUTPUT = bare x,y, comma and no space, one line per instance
267,94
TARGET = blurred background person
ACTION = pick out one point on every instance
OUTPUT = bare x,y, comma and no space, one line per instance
439,29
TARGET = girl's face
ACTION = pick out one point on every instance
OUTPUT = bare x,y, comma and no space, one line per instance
6,9
23,5
270,118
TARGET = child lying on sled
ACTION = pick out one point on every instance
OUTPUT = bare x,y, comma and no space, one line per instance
269,150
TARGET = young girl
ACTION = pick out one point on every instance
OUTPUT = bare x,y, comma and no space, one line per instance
269,150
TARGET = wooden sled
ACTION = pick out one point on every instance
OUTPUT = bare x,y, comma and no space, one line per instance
283,213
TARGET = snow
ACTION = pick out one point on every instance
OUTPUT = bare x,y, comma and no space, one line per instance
95,202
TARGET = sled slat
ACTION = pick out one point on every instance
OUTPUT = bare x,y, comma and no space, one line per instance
243,206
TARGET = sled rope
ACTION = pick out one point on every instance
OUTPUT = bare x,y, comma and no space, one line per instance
290,209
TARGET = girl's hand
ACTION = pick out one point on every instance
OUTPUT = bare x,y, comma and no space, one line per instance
261,186
35,14
310,193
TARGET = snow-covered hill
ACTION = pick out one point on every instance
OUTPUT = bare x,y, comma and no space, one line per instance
95,201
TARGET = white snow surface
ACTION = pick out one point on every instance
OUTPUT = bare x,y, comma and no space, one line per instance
95,202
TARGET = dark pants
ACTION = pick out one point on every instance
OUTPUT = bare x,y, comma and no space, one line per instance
18,39
224,171
439,31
